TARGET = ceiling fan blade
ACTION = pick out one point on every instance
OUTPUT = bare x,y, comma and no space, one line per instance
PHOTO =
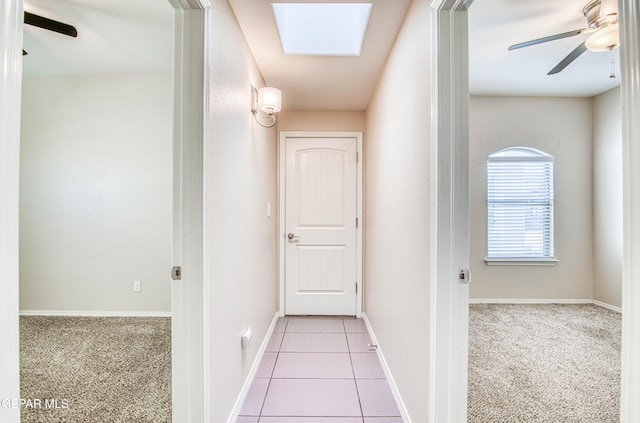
50,24
570,58
549,38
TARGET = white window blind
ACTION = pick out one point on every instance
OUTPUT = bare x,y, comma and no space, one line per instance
520,204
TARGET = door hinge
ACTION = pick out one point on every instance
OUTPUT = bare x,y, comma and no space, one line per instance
357,157
357,222
356,287
176,273
463,276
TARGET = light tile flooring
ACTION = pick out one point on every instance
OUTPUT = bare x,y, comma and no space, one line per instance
320,370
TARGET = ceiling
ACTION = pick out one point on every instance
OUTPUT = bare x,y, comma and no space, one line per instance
114,37
321,82
125,36
494,25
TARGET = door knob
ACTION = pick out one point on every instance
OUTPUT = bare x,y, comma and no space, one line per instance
291,236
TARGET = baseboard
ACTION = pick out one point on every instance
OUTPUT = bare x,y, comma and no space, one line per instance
528,301
608,306
542,301
387,372
76,313
237,407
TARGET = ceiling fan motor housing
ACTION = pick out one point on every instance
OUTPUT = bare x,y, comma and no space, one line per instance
592,12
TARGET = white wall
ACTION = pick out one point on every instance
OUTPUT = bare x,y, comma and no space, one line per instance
397,210
321,120
95,193
607,198
240,240
561,127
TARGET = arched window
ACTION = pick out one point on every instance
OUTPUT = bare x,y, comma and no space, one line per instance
519,205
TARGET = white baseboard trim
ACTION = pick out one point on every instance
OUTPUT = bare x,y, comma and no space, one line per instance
76,313
542,301
387,372
252,372
608,306
528,301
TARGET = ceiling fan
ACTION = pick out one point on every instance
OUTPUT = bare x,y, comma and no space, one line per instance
602,22
49,24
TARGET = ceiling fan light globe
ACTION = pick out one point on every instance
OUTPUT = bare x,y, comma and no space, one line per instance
604,39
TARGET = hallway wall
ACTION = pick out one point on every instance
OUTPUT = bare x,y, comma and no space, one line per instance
561,127
240,239
397,210
321,120
607,198
96,193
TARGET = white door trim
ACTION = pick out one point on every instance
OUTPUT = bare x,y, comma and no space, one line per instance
281,209
450,212
189,56
450,30
630,96
190,373
11,17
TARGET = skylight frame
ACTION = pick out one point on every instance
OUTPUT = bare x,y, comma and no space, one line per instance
302,28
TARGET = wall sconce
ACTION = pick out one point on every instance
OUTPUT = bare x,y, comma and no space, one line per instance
267,100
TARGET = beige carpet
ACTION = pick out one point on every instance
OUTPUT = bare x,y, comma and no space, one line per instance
95,369
543,363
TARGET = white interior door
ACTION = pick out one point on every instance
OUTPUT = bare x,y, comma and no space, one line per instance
11,18
450,302
188,343
320,227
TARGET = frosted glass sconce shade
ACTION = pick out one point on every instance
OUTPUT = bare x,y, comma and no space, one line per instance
269,100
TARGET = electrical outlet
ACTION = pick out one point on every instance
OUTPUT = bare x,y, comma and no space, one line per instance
136,286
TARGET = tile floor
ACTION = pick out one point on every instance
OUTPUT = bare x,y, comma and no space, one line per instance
320,370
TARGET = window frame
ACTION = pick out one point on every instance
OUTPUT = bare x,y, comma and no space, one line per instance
522,154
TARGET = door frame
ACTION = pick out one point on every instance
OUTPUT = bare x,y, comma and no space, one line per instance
630,99
449,306
192,29
448,385
190,388
282,208
11,16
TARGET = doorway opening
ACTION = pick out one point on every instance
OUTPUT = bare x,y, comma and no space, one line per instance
95,207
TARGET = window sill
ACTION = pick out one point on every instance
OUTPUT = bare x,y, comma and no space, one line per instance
521,262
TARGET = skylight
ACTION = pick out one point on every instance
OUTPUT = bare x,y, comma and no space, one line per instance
322,29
